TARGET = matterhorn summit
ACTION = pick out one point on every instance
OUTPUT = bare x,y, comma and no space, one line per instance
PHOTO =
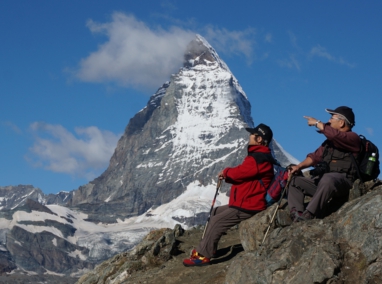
191,128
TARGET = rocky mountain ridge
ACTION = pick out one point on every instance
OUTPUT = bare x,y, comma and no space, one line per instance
12,197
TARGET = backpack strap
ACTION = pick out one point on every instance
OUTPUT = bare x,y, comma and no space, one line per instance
355,162
262,158
357,167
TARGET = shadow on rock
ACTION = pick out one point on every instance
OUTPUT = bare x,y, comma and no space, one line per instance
227,253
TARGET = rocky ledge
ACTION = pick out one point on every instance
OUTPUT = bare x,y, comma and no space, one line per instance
344,247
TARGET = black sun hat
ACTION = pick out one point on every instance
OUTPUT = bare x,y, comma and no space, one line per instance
345,112
262,130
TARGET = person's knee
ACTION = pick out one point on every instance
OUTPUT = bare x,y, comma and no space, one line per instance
327,180
297,183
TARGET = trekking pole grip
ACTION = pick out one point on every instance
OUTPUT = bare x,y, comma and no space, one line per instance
219,183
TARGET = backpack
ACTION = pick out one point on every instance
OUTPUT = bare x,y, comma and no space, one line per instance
367,148
279,181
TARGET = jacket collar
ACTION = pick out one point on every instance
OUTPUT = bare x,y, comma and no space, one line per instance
258,148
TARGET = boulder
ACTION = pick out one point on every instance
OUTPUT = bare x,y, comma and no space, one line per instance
345,247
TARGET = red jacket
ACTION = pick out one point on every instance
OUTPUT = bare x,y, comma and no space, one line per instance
247,192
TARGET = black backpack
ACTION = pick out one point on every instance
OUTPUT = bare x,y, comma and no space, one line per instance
367,148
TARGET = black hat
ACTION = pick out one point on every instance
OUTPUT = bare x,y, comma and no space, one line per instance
344,111
262,130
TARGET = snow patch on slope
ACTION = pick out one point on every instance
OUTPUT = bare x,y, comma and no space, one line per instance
109,239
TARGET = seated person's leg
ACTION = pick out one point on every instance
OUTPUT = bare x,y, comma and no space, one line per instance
298,188
219,224
330,185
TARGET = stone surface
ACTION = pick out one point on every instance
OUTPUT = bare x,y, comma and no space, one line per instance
344,247
43,251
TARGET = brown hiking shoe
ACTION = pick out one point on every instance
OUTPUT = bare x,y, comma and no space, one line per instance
305,216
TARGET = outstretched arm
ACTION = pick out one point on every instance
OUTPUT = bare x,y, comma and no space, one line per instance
314,122
303,165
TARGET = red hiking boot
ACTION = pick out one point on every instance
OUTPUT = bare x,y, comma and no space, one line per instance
196,260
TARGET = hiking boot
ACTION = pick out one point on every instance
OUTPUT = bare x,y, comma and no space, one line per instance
294,213
196,260
214,253
305,216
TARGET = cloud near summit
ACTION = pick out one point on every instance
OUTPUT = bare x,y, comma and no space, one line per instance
138,56
134,54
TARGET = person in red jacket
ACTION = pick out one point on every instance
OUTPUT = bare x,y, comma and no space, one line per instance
247,197
335,171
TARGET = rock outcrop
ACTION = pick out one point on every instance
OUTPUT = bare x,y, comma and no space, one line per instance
156,248
15,196
344,247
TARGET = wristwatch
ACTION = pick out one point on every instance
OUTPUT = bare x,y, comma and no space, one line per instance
318,121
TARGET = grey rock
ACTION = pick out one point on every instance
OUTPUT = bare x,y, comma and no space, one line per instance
44,251
156,248
344,247
17,196
6,262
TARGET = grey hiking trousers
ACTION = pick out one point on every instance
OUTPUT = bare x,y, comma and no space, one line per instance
330,185
221,220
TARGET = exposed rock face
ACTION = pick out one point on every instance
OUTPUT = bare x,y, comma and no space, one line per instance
155,249
342,248
15,196
42,251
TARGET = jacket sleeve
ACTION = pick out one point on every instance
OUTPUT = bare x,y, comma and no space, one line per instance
348,141
316,156
247,170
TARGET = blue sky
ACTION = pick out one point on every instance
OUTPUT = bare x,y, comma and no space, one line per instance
72,73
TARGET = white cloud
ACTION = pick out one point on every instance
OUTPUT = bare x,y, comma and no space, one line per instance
268,38
291,62
11,126
232,42
82,154
370,131
134,54
293,39
322,52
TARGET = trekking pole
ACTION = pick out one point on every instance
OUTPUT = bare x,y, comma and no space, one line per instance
212,206
277,208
